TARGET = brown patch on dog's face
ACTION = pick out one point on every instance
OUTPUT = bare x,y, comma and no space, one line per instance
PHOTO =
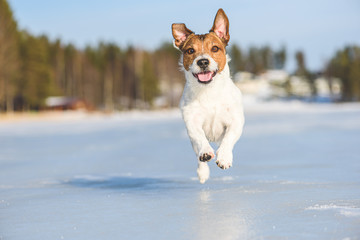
203,55
209,44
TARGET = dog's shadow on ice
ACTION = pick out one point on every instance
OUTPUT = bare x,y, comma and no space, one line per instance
123,183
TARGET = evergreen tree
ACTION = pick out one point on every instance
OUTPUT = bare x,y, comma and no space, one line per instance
280,58
149,82
300,64
92,77
345,65
35,83
303,72
69,70
9,61
354,73
237,59
254,61
131,73
112,56
57,65
266,58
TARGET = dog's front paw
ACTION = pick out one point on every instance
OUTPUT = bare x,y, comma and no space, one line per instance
224,159
206,154
205,157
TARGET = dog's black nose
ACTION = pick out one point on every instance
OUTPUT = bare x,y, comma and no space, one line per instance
203,63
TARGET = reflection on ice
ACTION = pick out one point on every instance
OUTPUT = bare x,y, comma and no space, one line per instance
219,220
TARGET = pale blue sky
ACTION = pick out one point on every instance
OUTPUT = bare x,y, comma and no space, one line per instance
318,27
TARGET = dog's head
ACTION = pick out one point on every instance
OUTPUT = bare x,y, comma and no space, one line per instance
203,56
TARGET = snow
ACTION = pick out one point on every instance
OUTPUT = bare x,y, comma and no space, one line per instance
296,175
348,211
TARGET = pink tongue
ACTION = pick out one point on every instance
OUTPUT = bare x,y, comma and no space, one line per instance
204,77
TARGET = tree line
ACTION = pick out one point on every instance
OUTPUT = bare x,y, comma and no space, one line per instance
345,65
106,76
257,59
109,77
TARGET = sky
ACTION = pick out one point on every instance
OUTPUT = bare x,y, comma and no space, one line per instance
316,27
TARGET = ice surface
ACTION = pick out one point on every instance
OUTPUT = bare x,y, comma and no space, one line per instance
296,175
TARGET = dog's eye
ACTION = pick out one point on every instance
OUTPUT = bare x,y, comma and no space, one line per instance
215,49
190,51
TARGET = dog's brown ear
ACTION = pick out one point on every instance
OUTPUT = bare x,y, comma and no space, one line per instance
180,33
221,26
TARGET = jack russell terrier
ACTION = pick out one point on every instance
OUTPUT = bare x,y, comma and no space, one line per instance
211,104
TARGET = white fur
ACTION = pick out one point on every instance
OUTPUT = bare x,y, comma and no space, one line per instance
212,112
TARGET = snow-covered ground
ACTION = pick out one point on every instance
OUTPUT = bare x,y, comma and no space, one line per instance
296,175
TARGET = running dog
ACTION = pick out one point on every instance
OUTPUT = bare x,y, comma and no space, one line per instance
211,104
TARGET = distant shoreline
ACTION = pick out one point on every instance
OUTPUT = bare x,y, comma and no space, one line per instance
42,115
71,115
251,105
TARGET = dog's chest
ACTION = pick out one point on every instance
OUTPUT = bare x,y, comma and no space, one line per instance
214,126
214,116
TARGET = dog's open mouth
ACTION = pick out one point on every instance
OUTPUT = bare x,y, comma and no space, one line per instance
204,77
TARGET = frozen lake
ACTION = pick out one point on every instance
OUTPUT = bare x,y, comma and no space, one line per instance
296,175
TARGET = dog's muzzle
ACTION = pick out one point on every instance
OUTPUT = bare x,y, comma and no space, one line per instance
205,77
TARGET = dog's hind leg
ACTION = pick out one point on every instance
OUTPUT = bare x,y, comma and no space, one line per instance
203,172
204,152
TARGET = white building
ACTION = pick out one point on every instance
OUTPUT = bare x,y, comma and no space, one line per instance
279,83
267,85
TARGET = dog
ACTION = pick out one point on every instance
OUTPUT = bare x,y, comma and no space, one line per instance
211,104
